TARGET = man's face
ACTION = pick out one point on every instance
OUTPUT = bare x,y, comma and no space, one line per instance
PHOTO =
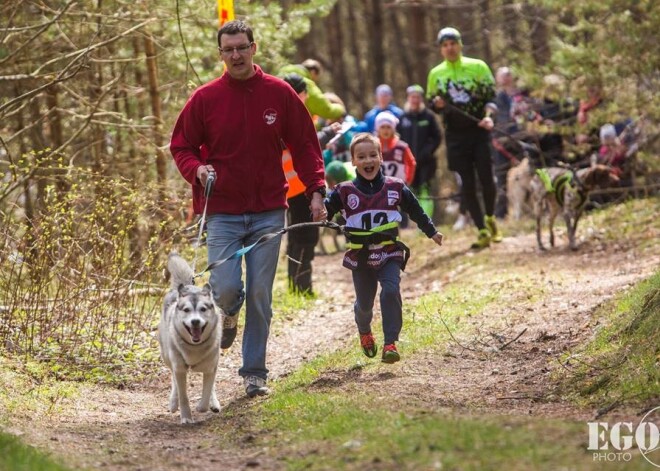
237,53
450,49
415,101
504,79
383,99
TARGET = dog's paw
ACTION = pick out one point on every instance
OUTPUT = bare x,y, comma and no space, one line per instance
174,405
215,405
187,420
202,407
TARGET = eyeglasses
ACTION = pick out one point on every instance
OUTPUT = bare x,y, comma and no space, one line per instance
229,51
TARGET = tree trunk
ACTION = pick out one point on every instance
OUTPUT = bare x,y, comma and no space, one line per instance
152,71
421,43
376,38
538,34
336,47
55,123
484,7
360,92
401,47
510,26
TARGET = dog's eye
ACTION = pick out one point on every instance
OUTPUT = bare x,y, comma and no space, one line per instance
202,309
186,310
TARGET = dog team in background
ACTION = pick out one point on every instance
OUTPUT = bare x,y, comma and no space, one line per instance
275,142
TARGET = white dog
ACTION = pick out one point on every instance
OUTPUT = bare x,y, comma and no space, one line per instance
189,334
518,188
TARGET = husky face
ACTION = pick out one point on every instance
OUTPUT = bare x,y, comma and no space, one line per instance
195,313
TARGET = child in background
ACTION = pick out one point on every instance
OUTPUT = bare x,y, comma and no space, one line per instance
398,159
611,152
372,205
337,172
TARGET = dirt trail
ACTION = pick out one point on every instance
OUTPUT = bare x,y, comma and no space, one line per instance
122,430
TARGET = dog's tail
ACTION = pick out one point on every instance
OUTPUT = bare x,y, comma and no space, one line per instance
179,271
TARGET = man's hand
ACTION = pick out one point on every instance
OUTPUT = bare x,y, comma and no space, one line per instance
437,238
487,123
438,102
318,208
203,173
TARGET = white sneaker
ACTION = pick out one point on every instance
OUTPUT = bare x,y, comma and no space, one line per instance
462,222
255,386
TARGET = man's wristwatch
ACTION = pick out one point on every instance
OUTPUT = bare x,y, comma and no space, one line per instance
320,190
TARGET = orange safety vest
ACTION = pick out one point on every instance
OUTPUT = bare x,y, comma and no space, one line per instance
295,184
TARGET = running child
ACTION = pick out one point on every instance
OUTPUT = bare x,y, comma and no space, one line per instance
372,205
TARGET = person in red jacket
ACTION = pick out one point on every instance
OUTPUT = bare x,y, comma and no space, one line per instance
398,159
243,120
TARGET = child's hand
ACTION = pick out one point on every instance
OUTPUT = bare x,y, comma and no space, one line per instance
437,238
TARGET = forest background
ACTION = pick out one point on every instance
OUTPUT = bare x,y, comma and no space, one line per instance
89,91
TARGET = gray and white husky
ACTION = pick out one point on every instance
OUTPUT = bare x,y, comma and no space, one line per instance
189,334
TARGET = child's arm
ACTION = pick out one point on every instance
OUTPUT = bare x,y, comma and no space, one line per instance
410,165
411,205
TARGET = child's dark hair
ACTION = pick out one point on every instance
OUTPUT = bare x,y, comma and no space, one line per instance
365,137
235,27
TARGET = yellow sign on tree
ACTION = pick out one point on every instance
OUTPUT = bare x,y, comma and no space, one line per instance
225,11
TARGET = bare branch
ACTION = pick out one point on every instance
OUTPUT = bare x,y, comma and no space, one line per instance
44,27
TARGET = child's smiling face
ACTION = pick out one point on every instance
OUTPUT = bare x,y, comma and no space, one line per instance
367,159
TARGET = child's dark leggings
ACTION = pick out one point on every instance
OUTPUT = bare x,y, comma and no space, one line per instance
366,281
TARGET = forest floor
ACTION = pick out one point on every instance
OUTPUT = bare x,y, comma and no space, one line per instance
107,428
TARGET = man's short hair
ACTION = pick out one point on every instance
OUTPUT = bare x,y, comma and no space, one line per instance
235,27
312,64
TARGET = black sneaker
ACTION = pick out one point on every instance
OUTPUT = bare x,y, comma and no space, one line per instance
229,329
255,386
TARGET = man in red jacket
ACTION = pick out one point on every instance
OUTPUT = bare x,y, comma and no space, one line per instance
242,120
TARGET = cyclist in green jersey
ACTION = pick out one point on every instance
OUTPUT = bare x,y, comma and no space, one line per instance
462,89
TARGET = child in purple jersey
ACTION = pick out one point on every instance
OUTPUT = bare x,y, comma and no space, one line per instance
372,205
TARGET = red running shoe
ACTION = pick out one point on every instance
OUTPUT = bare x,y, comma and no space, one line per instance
368,344
390,354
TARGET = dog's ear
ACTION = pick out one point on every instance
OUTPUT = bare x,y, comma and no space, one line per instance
182,289
207,290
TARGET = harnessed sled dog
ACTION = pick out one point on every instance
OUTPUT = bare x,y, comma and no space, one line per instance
189,335
555,190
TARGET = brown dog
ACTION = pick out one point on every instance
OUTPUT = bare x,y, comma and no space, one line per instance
564,190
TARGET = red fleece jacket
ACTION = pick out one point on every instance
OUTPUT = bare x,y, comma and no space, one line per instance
240,127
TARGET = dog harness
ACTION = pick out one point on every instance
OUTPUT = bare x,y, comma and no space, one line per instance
561,184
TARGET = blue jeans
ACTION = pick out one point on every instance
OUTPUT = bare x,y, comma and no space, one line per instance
366,281
227,233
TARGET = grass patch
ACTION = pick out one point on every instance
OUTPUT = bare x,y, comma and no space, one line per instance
28,389
16,456
622,363
331,430
634,222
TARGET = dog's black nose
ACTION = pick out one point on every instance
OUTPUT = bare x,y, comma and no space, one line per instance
195,322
